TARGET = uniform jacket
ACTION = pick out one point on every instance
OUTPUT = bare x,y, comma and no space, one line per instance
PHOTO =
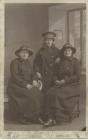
69,70
64,98
21,74
22,100
44,63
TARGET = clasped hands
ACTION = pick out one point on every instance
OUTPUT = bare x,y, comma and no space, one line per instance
29,86
34,84
59,83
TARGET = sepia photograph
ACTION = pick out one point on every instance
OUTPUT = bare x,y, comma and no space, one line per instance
45,67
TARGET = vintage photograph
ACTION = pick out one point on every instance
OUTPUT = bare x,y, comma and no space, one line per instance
45,67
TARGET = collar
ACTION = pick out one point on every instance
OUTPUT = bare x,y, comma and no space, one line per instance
22,60
45,46
68,58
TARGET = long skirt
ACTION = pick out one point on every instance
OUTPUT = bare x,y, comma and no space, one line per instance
25,102
62,101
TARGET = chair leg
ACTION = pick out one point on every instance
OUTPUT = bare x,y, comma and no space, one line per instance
78,109
75,113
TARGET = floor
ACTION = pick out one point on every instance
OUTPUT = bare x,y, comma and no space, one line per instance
76,125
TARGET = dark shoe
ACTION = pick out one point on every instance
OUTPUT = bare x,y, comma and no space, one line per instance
49,123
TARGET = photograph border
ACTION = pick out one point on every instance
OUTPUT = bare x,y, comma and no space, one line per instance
36,134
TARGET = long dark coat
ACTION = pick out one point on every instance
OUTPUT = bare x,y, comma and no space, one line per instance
62,100
24,102
44,63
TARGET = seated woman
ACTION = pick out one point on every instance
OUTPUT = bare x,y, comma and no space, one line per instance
63,97
24,93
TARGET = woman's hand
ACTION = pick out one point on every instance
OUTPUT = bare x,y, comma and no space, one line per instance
29,86
38,84
39,75
57,60
35,83
62,82
59,83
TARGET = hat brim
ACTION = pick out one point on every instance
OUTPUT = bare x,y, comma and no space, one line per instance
19,50
64,48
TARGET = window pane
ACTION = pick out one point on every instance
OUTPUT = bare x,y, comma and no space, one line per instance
74,31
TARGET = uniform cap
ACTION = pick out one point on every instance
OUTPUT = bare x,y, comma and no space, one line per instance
49,35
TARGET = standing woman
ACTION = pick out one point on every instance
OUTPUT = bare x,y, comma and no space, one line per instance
45,59
44,64
24,97
63,97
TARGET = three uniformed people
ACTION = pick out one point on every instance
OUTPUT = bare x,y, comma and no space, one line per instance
59,73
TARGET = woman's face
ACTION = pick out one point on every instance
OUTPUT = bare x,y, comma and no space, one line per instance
68,52
49,42
24,54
